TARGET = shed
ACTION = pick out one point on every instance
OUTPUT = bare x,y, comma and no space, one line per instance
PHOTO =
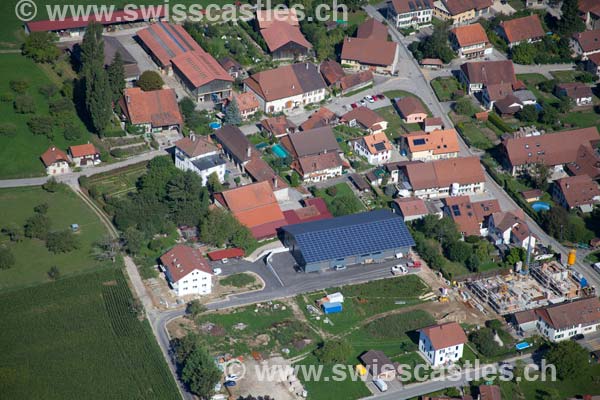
336,297
225,253
331,308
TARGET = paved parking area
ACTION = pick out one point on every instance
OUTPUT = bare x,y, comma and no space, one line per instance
591,341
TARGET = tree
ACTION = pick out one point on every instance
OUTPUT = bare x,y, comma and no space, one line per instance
570,22
62,241
555,221
333,351
523,53
7,258
564,105
52,185
106,248
434,46
149,81
41,208
195,308
515,255
41,125
464,106
220,228
549,115
569,358
539,174
232,113
98,95
14,233
54,273
547,85
134,239
187,107
473,263
24,104
483,339
19,86
213,184
529,113
41,47
116,77
458,251
48,90
8,129
37,226
199,372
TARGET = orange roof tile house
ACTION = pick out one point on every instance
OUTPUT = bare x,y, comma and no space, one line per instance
376,148
471,41
411,109
153,111
187,271
434,145
522,30
56,161
84,155
281,31
442,344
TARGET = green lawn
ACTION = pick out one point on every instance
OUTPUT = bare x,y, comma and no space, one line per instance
20,154
78,338
395,125
444,87
473,135
531,81
581,119
33,260
115,183
238,280
342,189
566,76
368,299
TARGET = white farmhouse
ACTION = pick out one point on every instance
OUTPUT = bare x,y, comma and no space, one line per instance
565,320
442,344
56,161
376,148
410,13
200,155
187,271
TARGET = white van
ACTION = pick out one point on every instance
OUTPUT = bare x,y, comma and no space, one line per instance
381,385
597,267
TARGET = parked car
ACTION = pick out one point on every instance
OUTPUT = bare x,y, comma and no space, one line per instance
369,99
597,267
232,377
339,267
413,264
225,260
380,96
579,336
380,384
229,383
217,271
399,269
353,105
363,102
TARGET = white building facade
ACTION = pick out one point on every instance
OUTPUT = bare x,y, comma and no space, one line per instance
439,356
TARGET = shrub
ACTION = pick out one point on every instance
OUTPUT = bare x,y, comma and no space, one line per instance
24,104
8,129
19,86
41,125
498,122
62,241
150,80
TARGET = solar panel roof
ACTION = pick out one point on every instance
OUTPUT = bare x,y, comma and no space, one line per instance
418,142
380,146
350,235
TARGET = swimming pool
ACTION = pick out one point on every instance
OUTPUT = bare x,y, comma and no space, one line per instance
540,206
279,151
214,125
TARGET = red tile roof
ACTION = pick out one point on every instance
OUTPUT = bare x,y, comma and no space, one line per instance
574,90
586,163
456,7
411,206
445,335
407,6
278,126
158,107
550,149
470,215
469,35
372,28
490,392
83,150
525,28
255,205
369,51
410,105
246,101
318,162
443,173
314,210
266,18
564,315
166,41
370,142
490,72
332,71
200,68
588,40
320,118
233,252
181,260
278,34
286,81
364,116
196,145
52,155
578,190
118,16
438,141
352,80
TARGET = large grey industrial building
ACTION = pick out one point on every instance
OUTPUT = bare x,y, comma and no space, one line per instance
351,239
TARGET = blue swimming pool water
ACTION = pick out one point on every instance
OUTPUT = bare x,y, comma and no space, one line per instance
214,125
279,151
540,206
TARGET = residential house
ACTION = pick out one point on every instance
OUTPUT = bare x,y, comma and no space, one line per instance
370,50
431,124
522,30
247,104
509,228
506,105
378,364
278,126
494,80
287,87
372,29
525,322
587,43
366,119
286,41
232,67
592,64
396,171
532,195
471,218
411,109
260,171
199,154
489,392
443,178
376,148
554,150
431,63
187,271
471,41
562,321
589,11
177,54
152,111
526,97
461,11
320,118
536,3
580,93
235,145
353,82
435,145
84,155
410,13
442,344
254,206
409,208
315,154
314,209
332,72
586,162
112,46
576,192
56,161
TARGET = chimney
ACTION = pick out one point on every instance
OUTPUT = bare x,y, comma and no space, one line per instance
193,137
249,152
53,148
275,182
306,65
127,99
